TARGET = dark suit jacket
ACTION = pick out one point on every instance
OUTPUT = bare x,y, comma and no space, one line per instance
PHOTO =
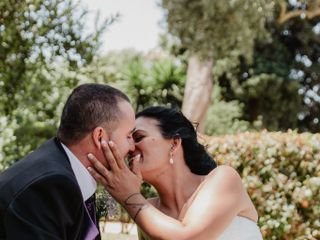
41,199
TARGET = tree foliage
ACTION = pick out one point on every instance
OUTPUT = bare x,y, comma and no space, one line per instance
148,79
160,83
213,29
225,117
43,43
281,85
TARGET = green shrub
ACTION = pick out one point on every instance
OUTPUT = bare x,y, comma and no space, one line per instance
281,172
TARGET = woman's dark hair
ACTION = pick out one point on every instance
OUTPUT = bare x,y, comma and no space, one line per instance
173,123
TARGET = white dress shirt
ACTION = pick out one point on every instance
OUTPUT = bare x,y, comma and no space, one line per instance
87,183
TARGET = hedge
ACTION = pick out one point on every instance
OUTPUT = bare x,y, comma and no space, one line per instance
281,172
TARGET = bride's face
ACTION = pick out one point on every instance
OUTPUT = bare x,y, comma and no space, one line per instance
153,147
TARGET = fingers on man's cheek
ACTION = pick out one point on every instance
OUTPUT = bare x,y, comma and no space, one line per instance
99,178
94,173
104,172
99,168
108,167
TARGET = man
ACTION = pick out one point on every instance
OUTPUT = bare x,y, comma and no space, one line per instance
50,194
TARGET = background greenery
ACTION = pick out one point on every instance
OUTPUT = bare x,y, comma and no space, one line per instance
265,76
281,172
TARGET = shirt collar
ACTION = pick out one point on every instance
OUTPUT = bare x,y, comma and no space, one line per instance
87,183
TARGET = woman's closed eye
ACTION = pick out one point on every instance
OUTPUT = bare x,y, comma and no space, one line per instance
138,138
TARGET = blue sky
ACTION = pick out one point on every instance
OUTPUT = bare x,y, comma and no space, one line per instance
138,26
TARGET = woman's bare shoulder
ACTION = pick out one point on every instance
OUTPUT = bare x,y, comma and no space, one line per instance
223,171
225,177
227,182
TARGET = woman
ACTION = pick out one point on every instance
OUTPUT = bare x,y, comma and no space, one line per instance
197,200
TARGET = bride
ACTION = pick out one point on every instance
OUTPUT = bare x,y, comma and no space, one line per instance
197,199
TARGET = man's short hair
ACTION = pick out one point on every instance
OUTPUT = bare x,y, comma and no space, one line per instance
89,106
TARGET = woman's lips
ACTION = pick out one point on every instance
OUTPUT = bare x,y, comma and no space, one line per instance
133,156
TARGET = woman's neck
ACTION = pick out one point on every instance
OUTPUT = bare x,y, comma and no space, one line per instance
175,185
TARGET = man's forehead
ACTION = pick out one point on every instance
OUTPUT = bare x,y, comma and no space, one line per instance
125,107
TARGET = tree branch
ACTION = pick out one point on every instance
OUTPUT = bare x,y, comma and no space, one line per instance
287,15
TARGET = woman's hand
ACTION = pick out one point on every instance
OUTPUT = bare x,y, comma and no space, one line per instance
118,180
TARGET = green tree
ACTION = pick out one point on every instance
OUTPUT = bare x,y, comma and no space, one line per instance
211,30
148,79
158,82
225,117
280,86
43,45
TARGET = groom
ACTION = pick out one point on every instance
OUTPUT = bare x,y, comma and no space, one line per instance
50,194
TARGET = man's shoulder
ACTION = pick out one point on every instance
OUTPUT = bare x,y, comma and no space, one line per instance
51,185
47,156
46,162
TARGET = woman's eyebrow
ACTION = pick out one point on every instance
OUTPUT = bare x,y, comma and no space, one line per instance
133,130
139,130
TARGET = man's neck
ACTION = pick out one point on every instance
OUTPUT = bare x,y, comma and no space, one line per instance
77,157
81,150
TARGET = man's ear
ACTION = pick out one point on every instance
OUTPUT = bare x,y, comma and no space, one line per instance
176,144
98,134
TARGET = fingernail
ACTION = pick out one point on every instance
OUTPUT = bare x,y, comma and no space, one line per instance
111,144
138,156
104,143
89,169
90,156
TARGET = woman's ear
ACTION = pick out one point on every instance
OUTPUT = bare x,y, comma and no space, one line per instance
176,144
98,134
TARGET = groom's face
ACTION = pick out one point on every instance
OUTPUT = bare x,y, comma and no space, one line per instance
122,134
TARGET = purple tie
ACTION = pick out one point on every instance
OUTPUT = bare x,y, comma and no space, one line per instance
91,207
93,232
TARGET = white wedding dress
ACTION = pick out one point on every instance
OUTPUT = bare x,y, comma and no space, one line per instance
241,228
